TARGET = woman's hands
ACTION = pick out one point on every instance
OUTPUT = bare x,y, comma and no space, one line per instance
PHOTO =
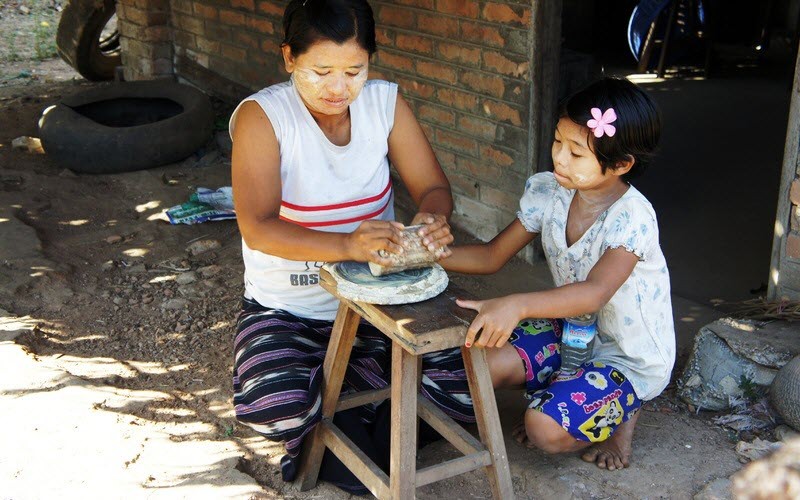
435,233
495,321
370,237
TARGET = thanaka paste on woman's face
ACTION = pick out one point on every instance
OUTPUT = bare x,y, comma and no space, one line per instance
329,76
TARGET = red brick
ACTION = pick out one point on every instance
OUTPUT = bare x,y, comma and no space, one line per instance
414,43
271,8
415,88
501,111
438,25
505,14
447,159
464,8
496,156
429,133
384,37
397,16
498,62
207,46
477,127
218,31
157,34
794,192
206,11
423,4
464,185
793,245
270,46
184,6
247,40
248,5
483,82
396,61
436,71
478,169
460,53
184,39
144,17
795,218
500,198
261,25
457,99
436,114
482,34
232,18
233,53
457,142
377,74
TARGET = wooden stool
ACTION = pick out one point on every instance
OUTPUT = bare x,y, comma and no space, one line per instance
415,329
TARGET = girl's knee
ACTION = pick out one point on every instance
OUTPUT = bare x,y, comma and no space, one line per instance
546,434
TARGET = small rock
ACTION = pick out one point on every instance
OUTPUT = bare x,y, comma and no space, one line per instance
108,265
111,240
30,144
209,271
138,268
24,10
202,246
146,299
186,278
175,304
118,300
67,173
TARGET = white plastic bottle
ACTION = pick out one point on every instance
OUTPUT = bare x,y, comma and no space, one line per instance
577,338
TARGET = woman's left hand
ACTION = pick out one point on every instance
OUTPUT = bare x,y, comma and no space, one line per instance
435,232
495,321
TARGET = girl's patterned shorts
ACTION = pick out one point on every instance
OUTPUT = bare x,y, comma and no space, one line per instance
589,404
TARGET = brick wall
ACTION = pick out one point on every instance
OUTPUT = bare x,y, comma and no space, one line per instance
464,66
146,38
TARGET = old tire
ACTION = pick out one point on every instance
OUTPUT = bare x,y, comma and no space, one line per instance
785,393
126,126
81,40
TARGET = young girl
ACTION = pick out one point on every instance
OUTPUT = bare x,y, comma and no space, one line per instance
600,239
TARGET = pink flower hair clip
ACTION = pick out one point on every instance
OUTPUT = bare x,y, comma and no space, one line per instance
600,123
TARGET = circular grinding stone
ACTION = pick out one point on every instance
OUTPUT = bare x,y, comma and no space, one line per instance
355,282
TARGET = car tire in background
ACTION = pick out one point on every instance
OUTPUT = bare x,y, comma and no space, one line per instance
87,38
123,127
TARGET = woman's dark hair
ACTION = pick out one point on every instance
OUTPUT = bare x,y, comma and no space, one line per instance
638,123
306,22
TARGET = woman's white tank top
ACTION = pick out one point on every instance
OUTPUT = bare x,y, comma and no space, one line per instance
325,187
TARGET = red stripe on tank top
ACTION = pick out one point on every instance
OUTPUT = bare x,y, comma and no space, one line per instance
338,221
364,201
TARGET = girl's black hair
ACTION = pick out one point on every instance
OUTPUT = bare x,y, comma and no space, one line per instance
638,123
308,21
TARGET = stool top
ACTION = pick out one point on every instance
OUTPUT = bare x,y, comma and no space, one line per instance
428,326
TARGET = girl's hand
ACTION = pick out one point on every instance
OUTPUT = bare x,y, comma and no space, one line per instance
496,319
435,233
370,237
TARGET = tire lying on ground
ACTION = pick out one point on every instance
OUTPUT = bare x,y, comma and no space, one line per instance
87,38
126,126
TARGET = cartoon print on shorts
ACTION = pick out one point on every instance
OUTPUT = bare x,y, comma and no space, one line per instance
533,326
597,380
565,377
617,377
578,397
599,425
544,374
631,399
546,352
539,400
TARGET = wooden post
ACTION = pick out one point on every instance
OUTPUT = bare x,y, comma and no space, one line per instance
403,466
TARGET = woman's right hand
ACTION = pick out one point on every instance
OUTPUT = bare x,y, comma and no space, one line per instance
370,237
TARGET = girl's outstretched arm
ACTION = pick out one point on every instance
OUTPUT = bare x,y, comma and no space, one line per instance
487,258
497,318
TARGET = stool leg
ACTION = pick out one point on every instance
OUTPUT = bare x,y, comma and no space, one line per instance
336,359
483,400
403,461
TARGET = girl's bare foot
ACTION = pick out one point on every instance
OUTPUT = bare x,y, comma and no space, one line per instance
615,452
521,435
